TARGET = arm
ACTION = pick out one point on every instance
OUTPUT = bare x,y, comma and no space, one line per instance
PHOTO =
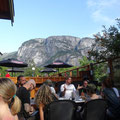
79,87
41,106
63,90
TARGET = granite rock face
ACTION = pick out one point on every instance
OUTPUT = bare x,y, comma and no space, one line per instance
43,51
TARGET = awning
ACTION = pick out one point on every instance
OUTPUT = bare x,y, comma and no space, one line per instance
7,10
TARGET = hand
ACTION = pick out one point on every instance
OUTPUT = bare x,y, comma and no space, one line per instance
79,87
31,110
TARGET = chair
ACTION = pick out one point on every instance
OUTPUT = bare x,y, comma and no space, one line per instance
94,110
60,110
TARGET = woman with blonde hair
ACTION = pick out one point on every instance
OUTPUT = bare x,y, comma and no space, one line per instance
43,98
10,104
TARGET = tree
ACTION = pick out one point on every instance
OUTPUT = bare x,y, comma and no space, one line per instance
3,71
85,61
107,44
99,69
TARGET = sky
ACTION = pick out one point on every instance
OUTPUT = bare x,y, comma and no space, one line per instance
44,18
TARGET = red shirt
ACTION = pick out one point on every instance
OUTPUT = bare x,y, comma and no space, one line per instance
7,75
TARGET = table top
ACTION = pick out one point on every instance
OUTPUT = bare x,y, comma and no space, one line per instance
80,100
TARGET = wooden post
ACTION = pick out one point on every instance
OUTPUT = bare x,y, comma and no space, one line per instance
77,72
111,74
91,72
70,73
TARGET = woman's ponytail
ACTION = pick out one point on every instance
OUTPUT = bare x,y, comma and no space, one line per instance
16,105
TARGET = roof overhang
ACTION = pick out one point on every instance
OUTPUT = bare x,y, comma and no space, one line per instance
7,10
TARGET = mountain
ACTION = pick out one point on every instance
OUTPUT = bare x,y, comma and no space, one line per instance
43,51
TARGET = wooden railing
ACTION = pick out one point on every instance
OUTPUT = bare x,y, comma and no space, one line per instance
78,71
40,80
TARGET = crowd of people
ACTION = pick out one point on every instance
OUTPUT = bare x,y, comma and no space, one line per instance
15,100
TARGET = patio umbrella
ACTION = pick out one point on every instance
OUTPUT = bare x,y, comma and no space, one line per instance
58,64
48,70
14,70
13,63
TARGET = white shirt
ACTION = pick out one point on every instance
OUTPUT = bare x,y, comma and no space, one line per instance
52,90
69,90
116,91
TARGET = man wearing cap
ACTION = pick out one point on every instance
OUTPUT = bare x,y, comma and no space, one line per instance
23,93
50,84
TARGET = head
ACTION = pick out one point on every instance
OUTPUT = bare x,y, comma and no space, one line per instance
91,89
8,95
48,82
106,82
43,95
68,80
85,83
30,85
21,80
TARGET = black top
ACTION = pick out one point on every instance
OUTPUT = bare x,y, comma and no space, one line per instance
46,107
113,101
24,96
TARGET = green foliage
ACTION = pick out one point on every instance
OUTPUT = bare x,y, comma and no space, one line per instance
107,44
29,72
3,71
84,61
99,69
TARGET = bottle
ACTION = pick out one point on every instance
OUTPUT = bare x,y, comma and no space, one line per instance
82,93
73,95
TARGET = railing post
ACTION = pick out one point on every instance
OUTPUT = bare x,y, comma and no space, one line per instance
110,65
77,72
91,71
70,73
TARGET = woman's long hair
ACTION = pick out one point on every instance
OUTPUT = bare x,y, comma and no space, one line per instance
8,93
44,95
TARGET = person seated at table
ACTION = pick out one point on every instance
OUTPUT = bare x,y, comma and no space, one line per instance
115,89
23,93
91,93
67,89
83,89
109,94
50,84
43,97
9,103
21,80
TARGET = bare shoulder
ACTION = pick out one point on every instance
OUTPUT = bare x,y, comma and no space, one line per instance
16,117
8,117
